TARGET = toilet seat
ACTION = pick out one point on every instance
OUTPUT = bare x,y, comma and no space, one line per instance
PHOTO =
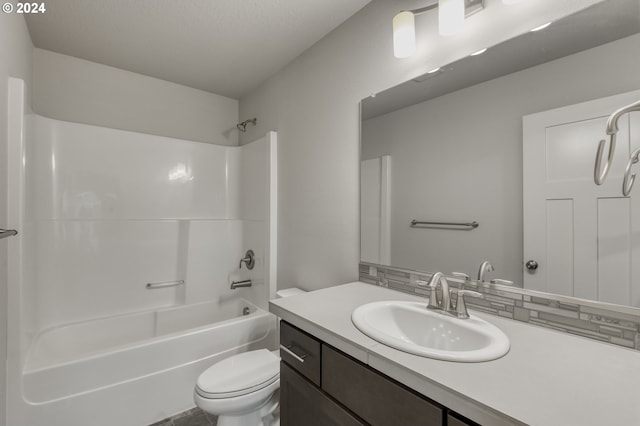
239,375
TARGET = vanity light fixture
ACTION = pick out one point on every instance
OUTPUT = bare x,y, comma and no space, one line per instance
451,16
541,27
404,34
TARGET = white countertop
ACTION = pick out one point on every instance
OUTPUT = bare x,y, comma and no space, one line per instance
547,378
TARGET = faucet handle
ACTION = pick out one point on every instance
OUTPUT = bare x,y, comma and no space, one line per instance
499,281
462,275
249,259
461,307
466,279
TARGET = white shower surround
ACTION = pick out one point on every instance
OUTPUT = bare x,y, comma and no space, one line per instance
101,213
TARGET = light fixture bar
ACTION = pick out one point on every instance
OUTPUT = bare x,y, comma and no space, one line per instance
425,9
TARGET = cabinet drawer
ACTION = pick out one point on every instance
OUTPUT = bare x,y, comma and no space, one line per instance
305,349
375,398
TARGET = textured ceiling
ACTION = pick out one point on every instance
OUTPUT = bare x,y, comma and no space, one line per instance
227,47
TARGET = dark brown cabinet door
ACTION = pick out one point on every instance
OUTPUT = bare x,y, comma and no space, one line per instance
375,398
303,404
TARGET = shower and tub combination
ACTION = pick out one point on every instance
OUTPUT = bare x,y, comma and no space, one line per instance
120,275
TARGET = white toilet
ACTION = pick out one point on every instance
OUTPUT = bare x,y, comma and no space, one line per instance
243,390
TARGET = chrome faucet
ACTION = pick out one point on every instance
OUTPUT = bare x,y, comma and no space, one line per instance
443,303
484,268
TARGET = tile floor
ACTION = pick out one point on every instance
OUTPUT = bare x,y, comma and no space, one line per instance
193,417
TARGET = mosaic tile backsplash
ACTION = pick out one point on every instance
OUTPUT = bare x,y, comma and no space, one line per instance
597,323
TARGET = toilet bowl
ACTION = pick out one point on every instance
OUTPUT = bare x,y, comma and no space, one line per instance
243,390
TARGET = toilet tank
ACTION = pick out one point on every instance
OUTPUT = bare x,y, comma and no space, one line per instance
293,291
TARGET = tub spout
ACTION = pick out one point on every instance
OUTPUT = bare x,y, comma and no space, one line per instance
243,283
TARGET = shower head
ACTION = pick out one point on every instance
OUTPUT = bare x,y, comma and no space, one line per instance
243,126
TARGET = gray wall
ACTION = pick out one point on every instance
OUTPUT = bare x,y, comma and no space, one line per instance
72,89
313,104
15,61
459,157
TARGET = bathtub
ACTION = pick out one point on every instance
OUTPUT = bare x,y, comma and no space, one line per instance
142,375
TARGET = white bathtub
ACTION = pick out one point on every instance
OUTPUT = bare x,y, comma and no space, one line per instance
142,375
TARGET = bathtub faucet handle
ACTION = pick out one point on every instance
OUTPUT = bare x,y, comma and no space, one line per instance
249,259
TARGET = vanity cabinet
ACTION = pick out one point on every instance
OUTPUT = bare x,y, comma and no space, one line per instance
322,386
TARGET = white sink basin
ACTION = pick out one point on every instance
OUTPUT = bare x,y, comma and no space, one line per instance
411,327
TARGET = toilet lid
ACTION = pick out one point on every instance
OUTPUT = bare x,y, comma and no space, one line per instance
239,374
